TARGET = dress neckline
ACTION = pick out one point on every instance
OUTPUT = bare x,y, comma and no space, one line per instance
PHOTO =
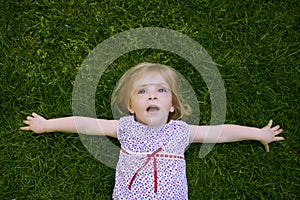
132,118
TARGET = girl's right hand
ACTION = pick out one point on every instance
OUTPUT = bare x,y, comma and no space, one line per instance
36,123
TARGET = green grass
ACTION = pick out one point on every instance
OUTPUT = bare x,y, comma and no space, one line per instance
255,44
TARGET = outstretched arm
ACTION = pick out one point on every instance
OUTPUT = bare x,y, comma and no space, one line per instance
233,133
84,125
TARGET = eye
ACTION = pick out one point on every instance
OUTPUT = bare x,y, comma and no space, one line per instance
142,91
161,90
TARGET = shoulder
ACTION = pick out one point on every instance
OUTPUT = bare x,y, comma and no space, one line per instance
179,132
125,125
178,126
125,121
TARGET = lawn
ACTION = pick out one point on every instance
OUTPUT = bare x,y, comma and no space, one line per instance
255,45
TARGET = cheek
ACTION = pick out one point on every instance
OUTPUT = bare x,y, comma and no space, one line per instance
170,99
135,103
168,102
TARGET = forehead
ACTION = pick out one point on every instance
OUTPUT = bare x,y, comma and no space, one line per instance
151,78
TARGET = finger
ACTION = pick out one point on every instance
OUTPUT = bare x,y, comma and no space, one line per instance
34,114
267,148
279,138
26,122
275,128
29,118
25,128
278,131
270,123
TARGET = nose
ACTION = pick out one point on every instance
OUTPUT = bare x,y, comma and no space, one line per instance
152,96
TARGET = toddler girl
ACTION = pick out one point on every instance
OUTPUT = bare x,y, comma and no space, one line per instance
153,138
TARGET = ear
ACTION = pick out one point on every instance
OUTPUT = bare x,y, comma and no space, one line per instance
129,108
172,109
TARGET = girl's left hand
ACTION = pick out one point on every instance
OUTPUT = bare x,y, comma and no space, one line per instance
270,135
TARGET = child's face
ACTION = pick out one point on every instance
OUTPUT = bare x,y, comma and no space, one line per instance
151,101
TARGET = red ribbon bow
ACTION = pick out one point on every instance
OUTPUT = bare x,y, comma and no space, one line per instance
149,156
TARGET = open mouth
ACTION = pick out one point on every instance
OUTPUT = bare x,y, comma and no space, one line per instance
152,109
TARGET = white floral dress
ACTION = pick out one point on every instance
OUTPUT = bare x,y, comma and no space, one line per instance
151,163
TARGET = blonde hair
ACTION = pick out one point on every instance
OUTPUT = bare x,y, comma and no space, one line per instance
124,89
